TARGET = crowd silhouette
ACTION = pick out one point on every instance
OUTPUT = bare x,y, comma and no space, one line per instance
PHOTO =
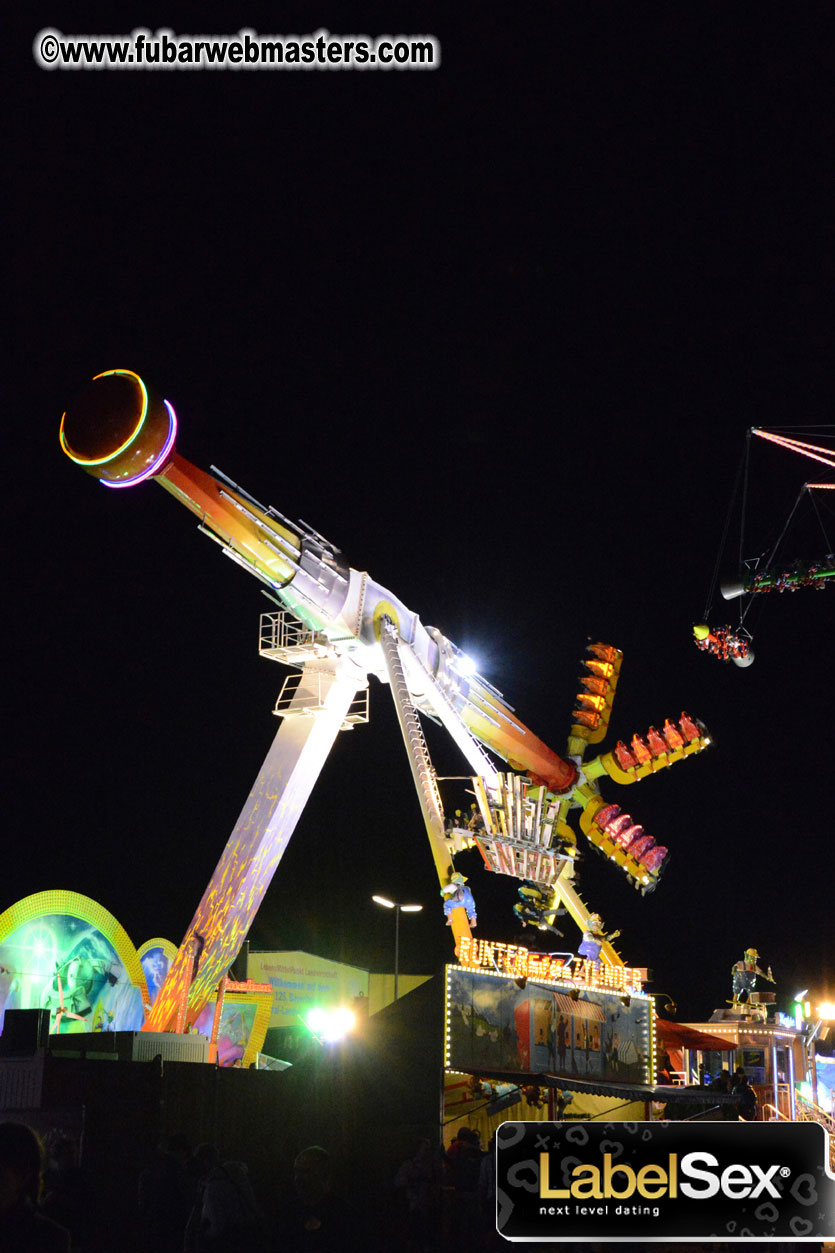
194,1200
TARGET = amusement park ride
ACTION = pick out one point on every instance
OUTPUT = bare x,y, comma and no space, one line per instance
334,626
767,572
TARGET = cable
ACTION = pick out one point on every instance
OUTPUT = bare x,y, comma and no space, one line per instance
744,498
820,519
782,534
801,430
743,513
773,552
743,466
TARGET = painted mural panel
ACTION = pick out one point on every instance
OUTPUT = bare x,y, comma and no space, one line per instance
494,1025
64,964
156,958
237,1020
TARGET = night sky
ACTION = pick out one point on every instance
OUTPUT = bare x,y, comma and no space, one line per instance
498,331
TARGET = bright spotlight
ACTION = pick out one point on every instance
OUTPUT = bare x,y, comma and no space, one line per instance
826,1011
317,1020
383,900
343,1021
330,1025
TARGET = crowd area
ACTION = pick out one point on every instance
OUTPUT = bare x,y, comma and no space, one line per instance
736,1097
190,1200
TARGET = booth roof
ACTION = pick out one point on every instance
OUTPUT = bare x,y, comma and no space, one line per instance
638,1091
679,1036
603,1087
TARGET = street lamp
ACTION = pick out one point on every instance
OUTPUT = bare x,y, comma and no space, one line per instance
398,909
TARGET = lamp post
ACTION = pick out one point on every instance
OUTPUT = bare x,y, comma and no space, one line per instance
398,909
824,1016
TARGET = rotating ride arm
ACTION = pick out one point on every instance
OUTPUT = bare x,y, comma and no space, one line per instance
610,831
536,817
783,577
765,573
788,579
123,434
526,833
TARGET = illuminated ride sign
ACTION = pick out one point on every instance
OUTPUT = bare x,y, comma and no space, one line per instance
519,963
500,1024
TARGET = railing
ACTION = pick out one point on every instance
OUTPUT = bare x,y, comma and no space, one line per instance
282,637
765,1101
704,1115
422,768
302,695
808,1111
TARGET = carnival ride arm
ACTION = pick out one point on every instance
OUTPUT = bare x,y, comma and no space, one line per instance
122,433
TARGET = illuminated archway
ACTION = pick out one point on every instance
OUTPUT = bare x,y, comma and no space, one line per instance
64,952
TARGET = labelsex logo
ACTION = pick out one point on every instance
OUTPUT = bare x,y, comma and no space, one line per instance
590,1183
698,1182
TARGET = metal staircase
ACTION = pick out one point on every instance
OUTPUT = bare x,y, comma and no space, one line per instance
422,767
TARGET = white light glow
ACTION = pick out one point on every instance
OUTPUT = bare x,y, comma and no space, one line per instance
317,1019
331,1024
465,665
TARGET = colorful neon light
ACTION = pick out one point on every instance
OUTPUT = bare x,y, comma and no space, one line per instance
516,962
806,450
42,946
98,461
159,461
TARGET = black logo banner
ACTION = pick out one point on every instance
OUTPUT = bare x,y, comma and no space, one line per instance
569,1181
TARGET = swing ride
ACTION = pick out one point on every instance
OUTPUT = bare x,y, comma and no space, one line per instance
772,570
334,628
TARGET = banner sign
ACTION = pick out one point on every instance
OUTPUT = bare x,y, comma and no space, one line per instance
636,1181
520,963
301,981
494,1025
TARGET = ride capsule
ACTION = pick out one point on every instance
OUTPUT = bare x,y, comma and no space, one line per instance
119,430
724,643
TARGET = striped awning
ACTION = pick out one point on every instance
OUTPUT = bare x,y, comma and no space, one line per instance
580,1009
677,1035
